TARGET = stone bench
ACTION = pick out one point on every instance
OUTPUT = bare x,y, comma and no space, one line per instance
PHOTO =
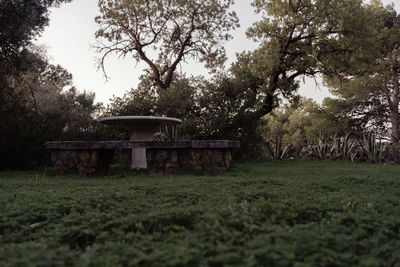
95,157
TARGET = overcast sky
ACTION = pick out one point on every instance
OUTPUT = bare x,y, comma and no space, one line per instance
70,40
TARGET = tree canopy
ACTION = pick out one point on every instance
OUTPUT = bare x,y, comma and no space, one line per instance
300,38
370,89
176,30
21,21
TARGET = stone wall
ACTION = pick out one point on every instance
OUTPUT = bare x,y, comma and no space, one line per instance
91,158
211,161
85,162
161,160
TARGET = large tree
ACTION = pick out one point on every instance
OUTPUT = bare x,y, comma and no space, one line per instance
371,88
300,38
174,30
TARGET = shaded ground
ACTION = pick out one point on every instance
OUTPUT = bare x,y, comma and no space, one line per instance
280,213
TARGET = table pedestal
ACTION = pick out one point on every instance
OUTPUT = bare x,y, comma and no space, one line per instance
138,159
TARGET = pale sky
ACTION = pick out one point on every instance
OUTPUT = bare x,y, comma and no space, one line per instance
70,38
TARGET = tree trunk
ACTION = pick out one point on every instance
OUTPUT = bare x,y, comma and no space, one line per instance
268,103
394,111
394,120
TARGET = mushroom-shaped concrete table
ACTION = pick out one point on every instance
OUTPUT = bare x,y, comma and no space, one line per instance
142,128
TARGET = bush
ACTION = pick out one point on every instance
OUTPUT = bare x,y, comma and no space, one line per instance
39,105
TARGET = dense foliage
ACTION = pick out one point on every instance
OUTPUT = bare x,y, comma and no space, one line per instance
277,214
38,101
301,38
300,123
306,130
36,110
369,90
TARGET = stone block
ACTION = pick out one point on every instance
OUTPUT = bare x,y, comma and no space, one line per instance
64,160
214,161
161,160
86,162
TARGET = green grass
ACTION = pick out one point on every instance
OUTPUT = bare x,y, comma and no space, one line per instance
283,213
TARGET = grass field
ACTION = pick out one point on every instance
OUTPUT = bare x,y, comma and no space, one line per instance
283,213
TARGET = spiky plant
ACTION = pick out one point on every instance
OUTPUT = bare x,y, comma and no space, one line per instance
274,148
343,148
321,149
167,133
373,150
